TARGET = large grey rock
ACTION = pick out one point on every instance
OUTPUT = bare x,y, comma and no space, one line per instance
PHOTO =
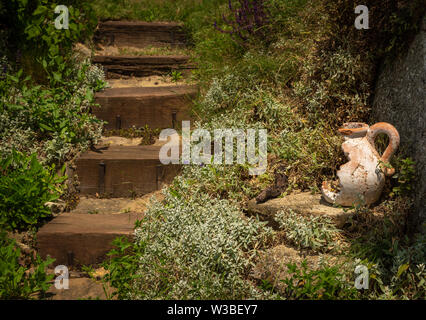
400,100
303,203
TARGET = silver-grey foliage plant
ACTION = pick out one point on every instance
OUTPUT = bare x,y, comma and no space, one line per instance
196,247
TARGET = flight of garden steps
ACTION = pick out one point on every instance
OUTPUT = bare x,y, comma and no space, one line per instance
122,172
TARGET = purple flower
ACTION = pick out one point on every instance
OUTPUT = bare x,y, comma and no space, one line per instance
249,20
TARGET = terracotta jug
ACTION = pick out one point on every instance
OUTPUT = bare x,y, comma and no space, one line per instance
363,177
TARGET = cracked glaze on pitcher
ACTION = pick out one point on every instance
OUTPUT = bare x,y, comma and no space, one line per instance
362,178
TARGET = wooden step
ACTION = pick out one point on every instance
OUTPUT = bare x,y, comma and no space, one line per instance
123,171
157,107
142,66
75,239
79,288
140,34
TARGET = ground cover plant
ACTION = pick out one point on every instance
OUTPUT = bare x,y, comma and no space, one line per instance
315,233
325,283
192,246
54,122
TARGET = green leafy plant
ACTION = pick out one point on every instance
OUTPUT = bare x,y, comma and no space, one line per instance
176,76
405,177
396,268
42,46
309,232
25,188
15,281
122,267
222,182
326,283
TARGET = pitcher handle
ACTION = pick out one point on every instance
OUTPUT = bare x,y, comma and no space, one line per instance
392,133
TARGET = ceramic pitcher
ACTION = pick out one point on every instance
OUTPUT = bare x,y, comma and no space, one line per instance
363,177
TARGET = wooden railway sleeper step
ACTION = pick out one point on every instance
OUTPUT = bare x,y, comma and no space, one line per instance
156,107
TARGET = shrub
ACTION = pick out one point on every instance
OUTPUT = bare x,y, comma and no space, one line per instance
310,155
194,247
41,48
395,23
25,187
335,86
409,269
308,232
15,281
54,122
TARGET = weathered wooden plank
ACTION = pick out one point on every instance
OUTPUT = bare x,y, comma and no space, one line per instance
140,34
123,171
157,107
141,66
75,239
